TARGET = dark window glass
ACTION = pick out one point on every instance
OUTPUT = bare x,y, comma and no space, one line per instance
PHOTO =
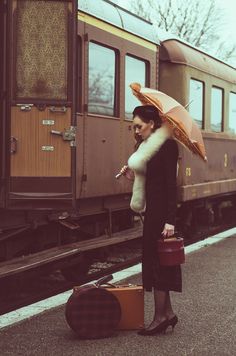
196,101
232,113
135,71
216,109
101,96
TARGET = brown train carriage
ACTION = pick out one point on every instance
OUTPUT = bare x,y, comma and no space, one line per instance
105,128
66,128
208,87
38,67
51,164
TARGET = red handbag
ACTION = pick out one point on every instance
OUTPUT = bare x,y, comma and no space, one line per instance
171,251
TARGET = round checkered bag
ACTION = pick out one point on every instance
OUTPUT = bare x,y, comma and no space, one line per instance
93,312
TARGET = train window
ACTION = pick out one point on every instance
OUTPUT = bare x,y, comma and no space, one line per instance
41,65
102,65
196,96
135,71
232,113
216,109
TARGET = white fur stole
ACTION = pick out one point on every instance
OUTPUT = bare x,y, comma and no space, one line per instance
138,163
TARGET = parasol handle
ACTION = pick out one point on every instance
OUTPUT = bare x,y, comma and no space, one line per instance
190,102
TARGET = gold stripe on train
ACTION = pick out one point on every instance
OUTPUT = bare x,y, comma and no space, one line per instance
116,31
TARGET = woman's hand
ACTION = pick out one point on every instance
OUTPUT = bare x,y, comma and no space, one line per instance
127,172
168,230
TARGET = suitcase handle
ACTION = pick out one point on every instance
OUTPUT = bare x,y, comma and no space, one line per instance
103,280
108,285
117,286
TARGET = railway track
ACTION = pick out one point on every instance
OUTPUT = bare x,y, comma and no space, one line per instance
18,292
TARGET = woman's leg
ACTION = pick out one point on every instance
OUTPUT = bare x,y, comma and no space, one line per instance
168,307
160,304
160,308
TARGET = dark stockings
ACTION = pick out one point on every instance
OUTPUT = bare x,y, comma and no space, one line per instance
163,308
168,307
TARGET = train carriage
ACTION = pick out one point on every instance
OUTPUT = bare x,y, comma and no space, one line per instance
113,54
66,126
207,86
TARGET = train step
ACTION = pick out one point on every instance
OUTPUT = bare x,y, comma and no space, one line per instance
56,255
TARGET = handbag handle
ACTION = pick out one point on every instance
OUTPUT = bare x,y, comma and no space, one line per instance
172,238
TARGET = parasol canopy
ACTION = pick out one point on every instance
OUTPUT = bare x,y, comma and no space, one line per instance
184,128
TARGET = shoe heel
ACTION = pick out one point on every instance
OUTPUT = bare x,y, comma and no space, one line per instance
164,330
159,329
173,321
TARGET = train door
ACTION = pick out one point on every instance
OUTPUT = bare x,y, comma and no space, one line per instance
2,99
41,110
100,127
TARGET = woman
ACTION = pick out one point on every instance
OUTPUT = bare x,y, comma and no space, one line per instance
154,164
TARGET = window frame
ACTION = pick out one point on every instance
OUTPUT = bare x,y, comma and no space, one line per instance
116,81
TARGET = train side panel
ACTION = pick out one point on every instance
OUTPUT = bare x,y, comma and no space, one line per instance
41,119
105,133
179,65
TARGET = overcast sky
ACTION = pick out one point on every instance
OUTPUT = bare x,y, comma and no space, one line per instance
229,7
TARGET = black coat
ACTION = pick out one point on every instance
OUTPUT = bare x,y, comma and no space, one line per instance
161,205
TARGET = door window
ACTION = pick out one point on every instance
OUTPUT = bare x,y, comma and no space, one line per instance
216,109
135,71
101,95
41,36
232,113
196,101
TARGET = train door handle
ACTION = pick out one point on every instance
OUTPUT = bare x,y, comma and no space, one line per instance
54,132
67,134
13,145
60,110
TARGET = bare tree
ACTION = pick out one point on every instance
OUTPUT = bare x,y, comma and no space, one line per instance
198,22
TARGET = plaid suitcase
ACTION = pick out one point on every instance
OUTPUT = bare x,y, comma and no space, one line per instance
93,312
131,298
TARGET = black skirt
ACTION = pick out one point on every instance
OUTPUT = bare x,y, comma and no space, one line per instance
163,278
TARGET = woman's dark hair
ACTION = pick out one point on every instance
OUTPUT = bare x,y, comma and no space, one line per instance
148,113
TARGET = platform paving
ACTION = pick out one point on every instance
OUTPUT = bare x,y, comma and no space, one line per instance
206,311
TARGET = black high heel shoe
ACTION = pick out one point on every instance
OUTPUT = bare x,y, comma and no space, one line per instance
160,328
173,321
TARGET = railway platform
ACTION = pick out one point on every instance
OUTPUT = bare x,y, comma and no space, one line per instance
206,311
